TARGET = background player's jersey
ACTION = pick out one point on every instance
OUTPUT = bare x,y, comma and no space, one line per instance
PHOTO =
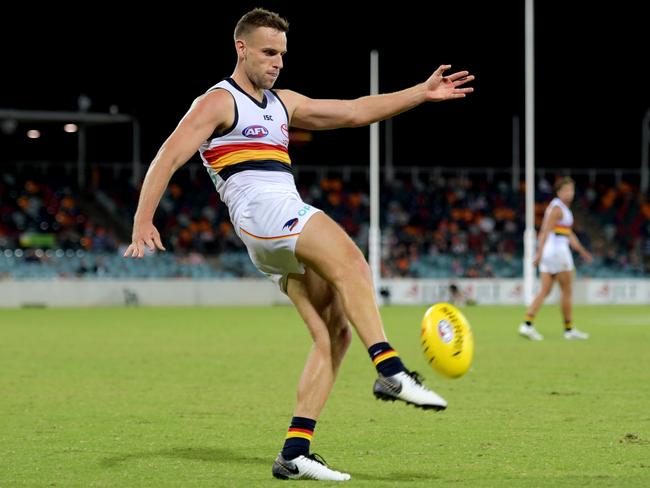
559,235
556,255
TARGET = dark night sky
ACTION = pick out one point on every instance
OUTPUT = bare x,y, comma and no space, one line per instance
593,74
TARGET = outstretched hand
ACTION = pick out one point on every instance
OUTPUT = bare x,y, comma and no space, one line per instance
143,235
440,87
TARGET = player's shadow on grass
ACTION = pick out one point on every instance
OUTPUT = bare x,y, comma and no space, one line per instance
402,476
219,455
208,454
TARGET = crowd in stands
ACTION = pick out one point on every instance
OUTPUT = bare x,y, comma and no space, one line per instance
620,215
432,226
45,213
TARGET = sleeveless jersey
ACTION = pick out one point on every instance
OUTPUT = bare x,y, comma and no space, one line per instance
251,157
559,235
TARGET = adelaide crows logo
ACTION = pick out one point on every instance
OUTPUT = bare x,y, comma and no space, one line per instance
291,224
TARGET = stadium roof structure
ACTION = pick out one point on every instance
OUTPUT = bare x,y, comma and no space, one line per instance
82,119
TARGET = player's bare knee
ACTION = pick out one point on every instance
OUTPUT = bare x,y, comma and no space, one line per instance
344,337
338,326
334,316
322,341
341,338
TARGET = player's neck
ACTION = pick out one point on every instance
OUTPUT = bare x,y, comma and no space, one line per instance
245,84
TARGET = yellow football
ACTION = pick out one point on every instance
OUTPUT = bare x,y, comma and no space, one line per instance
447,340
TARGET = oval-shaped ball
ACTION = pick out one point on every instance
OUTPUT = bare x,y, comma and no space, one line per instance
447,340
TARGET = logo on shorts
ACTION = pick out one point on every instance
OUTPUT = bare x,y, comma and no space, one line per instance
291,224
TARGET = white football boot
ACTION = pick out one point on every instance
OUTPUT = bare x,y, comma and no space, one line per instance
407,386
529,332
575,335
311,467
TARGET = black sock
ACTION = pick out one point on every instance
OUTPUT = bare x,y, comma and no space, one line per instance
385,359
298,438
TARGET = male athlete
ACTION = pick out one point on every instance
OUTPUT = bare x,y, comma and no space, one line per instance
240,127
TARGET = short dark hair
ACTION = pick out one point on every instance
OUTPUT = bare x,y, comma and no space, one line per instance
565,180
259,17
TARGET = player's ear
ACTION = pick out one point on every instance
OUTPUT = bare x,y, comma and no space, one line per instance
240,46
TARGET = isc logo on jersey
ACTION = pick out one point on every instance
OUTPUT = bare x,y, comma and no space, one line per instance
255,131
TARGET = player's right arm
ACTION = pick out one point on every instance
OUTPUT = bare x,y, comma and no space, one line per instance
548,224
210,112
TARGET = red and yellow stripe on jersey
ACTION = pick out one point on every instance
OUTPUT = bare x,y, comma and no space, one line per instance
562,230
228,155
302,433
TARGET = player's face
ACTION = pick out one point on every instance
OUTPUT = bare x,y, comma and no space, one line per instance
263,51
567,192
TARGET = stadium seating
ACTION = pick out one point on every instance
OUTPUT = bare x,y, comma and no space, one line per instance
433,226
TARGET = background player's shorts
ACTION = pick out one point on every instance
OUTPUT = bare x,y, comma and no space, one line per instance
556,259
270,226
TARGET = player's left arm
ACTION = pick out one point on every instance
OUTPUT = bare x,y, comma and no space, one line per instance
575,243
321,114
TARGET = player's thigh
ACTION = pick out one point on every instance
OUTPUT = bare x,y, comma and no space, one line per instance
326,248
565,279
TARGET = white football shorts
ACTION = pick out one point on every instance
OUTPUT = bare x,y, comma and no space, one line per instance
556,259
269,227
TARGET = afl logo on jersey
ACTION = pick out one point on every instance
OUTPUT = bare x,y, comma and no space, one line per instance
255,131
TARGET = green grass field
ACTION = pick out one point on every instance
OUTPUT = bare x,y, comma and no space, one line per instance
157,397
